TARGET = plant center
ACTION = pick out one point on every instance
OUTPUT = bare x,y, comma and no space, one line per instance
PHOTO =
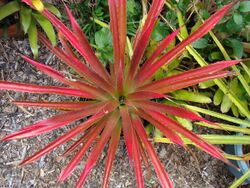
121,100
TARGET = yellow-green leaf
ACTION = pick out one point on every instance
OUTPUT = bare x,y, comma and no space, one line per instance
25,14
226,104
185,123
235,110
191,96
218,97
46,26
207,84
9,9
158,133
32,34
38,4
52,9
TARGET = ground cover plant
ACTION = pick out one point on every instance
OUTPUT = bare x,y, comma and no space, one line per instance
229,40
120,97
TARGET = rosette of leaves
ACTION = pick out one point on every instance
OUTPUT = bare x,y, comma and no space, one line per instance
29,19
119,97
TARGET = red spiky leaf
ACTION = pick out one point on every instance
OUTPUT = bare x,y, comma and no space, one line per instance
200,32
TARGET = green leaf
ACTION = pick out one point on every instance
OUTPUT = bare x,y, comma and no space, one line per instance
47,27
185,123
241,180
238,18
232,27
53,9
201,43
131,7
244,6
159,32
103,41
9,9
235,110
32,34
218,97
191,96
158,133
103,38
183,5
217,55
207,84
237,47
25,14
226,104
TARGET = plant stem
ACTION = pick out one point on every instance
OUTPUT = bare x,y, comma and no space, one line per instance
238,182
217,115
213,139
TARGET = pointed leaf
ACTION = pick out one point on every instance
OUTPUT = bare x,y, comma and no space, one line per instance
52,9
200,32
169,133
137,160
78,157
127,129
32,88
77,65
189,82
90,90
32,34
9,9
173,110
109,127
25,16
202,71
160,171
46,26
64,138
81,43
54,122
143,36
210,149
80,141
56,105
160,48
115,138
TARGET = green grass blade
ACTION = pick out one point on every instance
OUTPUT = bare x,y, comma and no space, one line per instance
213,139
238,182
217,115
225,127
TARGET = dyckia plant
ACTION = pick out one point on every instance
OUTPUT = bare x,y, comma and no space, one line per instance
120,98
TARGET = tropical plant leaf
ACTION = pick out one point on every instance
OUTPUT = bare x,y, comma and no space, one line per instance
47,27
25,15
52,9
9,9
33,39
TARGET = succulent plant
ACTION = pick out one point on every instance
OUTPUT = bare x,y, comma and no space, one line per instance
120,97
